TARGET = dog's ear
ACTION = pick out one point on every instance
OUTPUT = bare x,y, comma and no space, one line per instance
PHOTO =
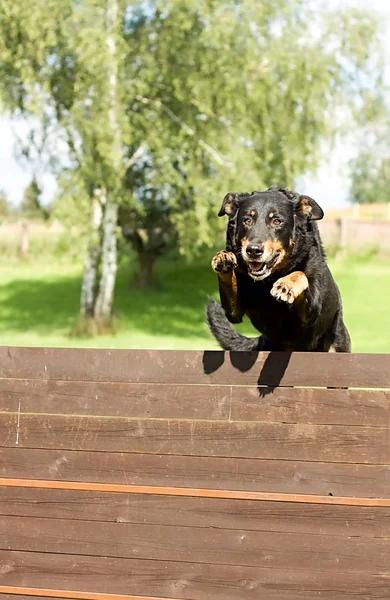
229,205
309,208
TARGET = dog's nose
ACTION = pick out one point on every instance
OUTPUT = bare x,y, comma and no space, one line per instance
254,251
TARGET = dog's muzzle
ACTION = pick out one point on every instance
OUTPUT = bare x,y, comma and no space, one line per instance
262,267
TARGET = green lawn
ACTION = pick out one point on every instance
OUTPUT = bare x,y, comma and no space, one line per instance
38,305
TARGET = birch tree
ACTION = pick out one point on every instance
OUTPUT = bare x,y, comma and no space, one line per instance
160,107
62,63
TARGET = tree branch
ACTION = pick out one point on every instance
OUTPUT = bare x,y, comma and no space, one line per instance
216,156
137,154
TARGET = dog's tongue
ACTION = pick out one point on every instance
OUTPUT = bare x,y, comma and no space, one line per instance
256,266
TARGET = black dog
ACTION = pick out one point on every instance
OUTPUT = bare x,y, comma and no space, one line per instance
274,270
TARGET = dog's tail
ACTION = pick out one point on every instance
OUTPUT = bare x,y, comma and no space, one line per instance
227,337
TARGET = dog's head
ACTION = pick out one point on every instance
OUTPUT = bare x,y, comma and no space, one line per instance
262,226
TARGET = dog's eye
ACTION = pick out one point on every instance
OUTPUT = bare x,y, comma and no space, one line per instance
276,222
247,221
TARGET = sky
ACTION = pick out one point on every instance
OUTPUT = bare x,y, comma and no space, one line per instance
329,185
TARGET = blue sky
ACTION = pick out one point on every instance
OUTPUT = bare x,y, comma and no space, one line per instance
329,186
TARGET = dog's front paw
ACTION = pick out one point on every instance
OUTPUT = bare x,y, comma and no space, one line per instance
289,288
224,262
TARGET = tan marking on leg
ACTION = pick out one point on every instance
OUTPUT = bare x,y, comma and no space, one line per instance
289,288
224,262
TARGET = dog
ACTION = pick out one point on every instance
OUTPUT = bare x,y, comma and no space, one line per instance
274,270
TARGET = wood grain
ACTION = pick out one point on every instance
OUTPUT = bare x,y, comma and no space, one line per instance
367,408
331,443
195,492
130,475
181,511
33,593
194,367
197,544
185,580
272,476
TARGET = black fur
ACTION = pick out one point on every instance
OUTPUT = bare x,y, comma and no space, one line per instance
280,225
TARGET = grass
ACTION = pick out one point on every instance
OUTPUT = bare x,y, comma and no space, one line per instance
38,305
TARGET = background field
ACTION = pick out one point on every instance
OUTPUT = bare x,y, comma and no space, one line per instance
38,304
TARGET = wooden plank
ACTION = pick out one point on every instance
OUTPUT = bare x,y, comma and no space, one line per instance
216,402
271,476
185,367
194,493
34,593
196,545
331,443
288,517
17,596
185,580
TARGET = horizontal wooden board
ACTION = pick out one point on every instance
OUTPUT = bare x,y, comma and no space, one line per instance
331,443
13,596
29,593
212,402
33,593
184,580
35,596
195,492
295,477
194,367
287,517
196,544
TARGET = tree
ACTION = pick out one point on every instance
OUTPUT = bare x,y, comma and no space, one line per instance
31,206
231,90
5,206
62,61
163,106
370,178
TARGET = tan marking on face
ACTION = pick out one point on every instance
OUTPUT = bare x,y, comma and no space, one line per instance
291,242
271,215
273,246
244,243
253,213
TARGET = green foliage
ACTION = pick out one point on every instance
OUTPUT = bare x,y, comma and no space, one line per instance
252,83
6,208
370,178
208,97
31,206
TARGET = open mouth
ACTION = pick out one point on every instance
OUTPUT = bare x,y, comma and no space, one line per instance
261,270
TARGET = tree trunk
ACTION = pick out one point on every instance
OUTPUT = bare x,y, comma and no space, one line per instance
145,278
98,293
105,297
104,301
91,265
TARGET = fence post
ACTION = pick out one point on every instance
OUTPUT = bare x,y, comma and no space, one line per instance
24,240
343,232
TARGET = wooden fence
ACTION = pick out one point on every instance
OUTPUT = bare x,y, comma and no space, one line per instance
356,235
194,476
